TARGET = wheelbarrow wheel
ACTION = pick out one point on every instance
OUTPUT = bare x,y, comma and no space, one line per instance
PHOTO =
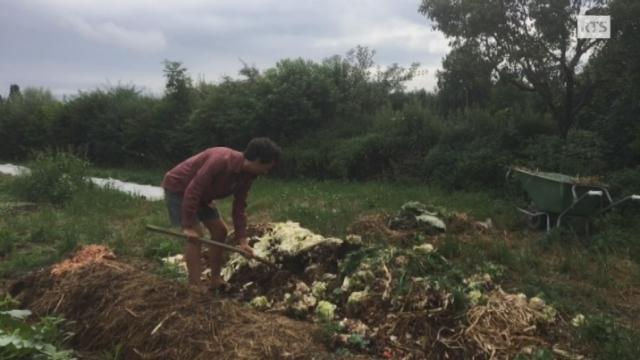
538,222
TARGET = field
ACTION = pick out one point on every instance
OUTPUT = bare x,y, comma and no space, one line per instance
598,276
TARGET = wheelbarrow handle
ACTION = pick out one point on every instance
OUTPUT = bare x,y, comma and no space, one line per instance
175,233
508,174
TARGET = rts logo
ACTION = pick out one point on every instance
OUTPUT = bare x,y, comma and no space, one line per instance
594,27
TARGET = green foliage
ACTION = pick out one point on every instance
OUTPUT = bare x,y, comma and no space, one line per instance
329,329
19,339
520,41
345,117
298,97
161,247
625,181
55,177
110,126
465,79
227,115
474,150
307,162
171,272
178,84
26,122
358,341
613,111
581,154
360,158
7,242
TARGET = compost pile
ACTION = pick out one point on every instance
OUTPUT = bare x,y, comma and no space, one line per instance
401,300
116,304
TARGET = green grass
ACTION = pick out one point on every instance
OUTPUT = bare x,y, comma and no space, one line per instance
109,217
330,206
113,218
92,216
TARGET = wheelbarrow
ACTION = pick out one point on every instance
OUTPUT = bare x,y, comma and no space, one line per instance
555,197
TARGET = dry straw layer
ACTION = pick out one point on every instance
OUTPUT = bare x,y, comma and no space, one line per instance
113,303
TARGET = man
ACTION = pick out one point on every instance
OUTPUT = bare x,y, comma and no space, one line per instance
215,173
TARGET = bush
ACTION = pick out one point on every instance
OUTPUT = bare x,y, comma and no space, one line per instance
114,126
25,123
625,181
482,162
310,162
582,153
54,177
360,158
409,134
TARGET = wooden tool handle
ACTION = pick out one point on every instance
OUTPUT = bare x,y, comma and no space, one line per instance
210,242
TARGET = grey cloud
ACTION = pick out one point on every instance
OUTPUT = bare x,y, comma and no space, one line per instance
82,44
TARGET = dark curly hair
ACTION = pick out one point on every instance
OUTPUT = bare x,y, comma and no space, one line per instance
262,149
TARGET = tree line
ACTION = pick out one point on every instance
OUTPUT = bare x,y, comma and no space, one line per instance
516,88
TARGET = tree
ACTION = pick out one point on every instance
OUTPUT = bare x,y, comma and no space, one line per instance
614,112
25,122
178,86
531,43
465,79
173,113
14,92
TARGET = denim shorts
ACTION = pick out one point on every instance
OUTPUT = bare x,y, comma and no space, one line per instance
174,206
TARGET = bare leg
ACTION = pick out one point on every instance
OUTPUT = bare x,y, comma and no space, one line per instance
218,231
192,257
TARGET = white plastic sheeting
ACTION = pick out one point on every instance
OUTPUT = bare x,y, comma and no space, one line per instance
147,191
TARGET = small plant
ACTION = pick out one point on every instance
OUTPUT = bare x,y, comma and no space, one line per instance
156,247
358,341
330,329
172,272
54,177
20,339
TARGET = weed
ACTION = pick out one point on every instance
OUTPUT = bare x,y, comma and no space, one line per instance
22,339
160,247
171,272
55,177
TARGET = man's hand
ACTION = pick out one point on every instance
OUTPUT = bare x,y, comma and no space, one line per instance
244,246
191,233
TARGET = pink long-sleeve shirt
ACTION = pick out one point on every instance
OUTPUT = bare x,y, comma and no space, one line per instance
215,173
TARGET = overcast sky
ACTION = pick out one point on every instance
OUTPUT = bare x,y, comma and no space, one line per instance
67,45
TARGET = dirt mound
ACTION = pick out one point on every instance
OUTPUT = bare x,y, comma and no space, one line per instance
401,299
375,227
113,303
84,256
